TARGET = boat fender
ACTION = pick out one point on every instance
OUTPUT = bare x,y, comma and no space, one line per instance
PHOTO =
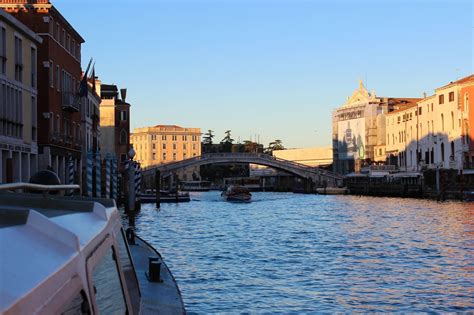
130,236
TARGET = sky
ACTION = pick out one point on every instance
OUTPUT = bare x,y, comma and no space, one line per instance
269,69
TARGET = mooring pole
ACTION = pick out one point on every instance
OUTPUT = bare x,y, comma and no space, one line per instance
176,186
157,187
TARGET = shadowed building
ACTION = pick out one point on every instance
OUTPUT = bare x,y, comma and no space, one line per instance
359,128
59,74
18,98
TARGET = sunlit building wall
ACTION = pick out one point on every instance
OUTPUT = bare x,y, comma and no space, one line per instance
165,143
434,132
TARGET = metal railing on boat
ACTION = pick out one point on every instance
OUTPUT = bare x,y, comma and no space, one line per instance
38,187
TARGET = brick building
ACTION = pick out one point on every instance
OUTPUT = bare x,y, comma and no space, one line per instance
59,74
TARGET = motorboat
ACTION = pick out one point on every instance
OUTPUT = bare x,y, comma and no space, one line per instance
236,193
71,255
165,196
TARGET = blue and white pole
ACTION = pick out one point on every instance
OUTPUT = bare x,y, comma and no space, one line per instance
108,167
114,178
70,173
98,172
89,167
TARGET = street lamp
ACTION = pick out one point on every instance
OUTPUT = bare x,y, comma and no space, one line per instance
131,153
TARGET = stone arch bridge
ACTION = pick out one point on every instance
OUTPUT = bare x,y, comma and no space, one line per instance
314,175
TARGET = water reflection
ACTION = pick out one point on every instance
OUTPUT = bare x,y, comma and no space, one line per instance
302,253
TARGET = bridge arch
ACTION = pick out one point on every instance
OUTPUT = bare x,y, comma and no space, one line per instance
318,176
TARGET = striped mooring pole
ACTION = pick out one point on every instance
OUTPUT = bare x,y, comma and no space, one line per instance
98,173
108,169
71,173
89,167
114,178
137,181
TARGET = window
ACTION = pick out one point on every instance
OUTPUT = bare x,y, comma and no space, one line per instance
419,111
174,146
164,156
18,59
163,137
441,99
154,156
58,77
174,156
56,33
185,138
63,38
51,26
442,122
442,151
123,115
123,137
109,295
33,118
451,96
51,74
153,146
194,146
33,67
174,138
452,120
184,146
164,146
3,50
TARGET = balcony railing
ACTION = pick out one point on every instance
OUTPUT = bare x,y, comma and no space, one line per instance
70,101
468,165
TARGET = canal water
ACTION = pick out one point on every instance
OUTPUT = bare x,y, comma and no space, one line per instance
292,253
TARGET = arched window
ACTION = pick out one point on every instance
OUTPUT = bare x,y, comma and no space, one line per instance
123,137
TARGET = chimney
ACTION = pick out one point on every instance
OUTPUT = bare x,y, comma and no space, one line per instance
123,94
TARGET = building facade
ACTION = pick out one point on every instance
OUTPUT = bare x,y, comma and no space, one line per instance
359,128
18,100
59,74
90,130
165,143
314,157
434,132
114,123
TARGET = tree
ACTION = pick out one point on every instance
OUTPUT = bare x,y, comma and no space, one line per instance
227,142
274,146
227,139
207,139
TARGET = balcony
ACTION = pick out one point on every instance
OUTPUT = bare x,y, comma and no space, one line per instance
70,101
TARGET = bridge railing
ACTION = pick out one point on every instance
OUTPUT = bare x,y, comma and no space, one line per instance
270,158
